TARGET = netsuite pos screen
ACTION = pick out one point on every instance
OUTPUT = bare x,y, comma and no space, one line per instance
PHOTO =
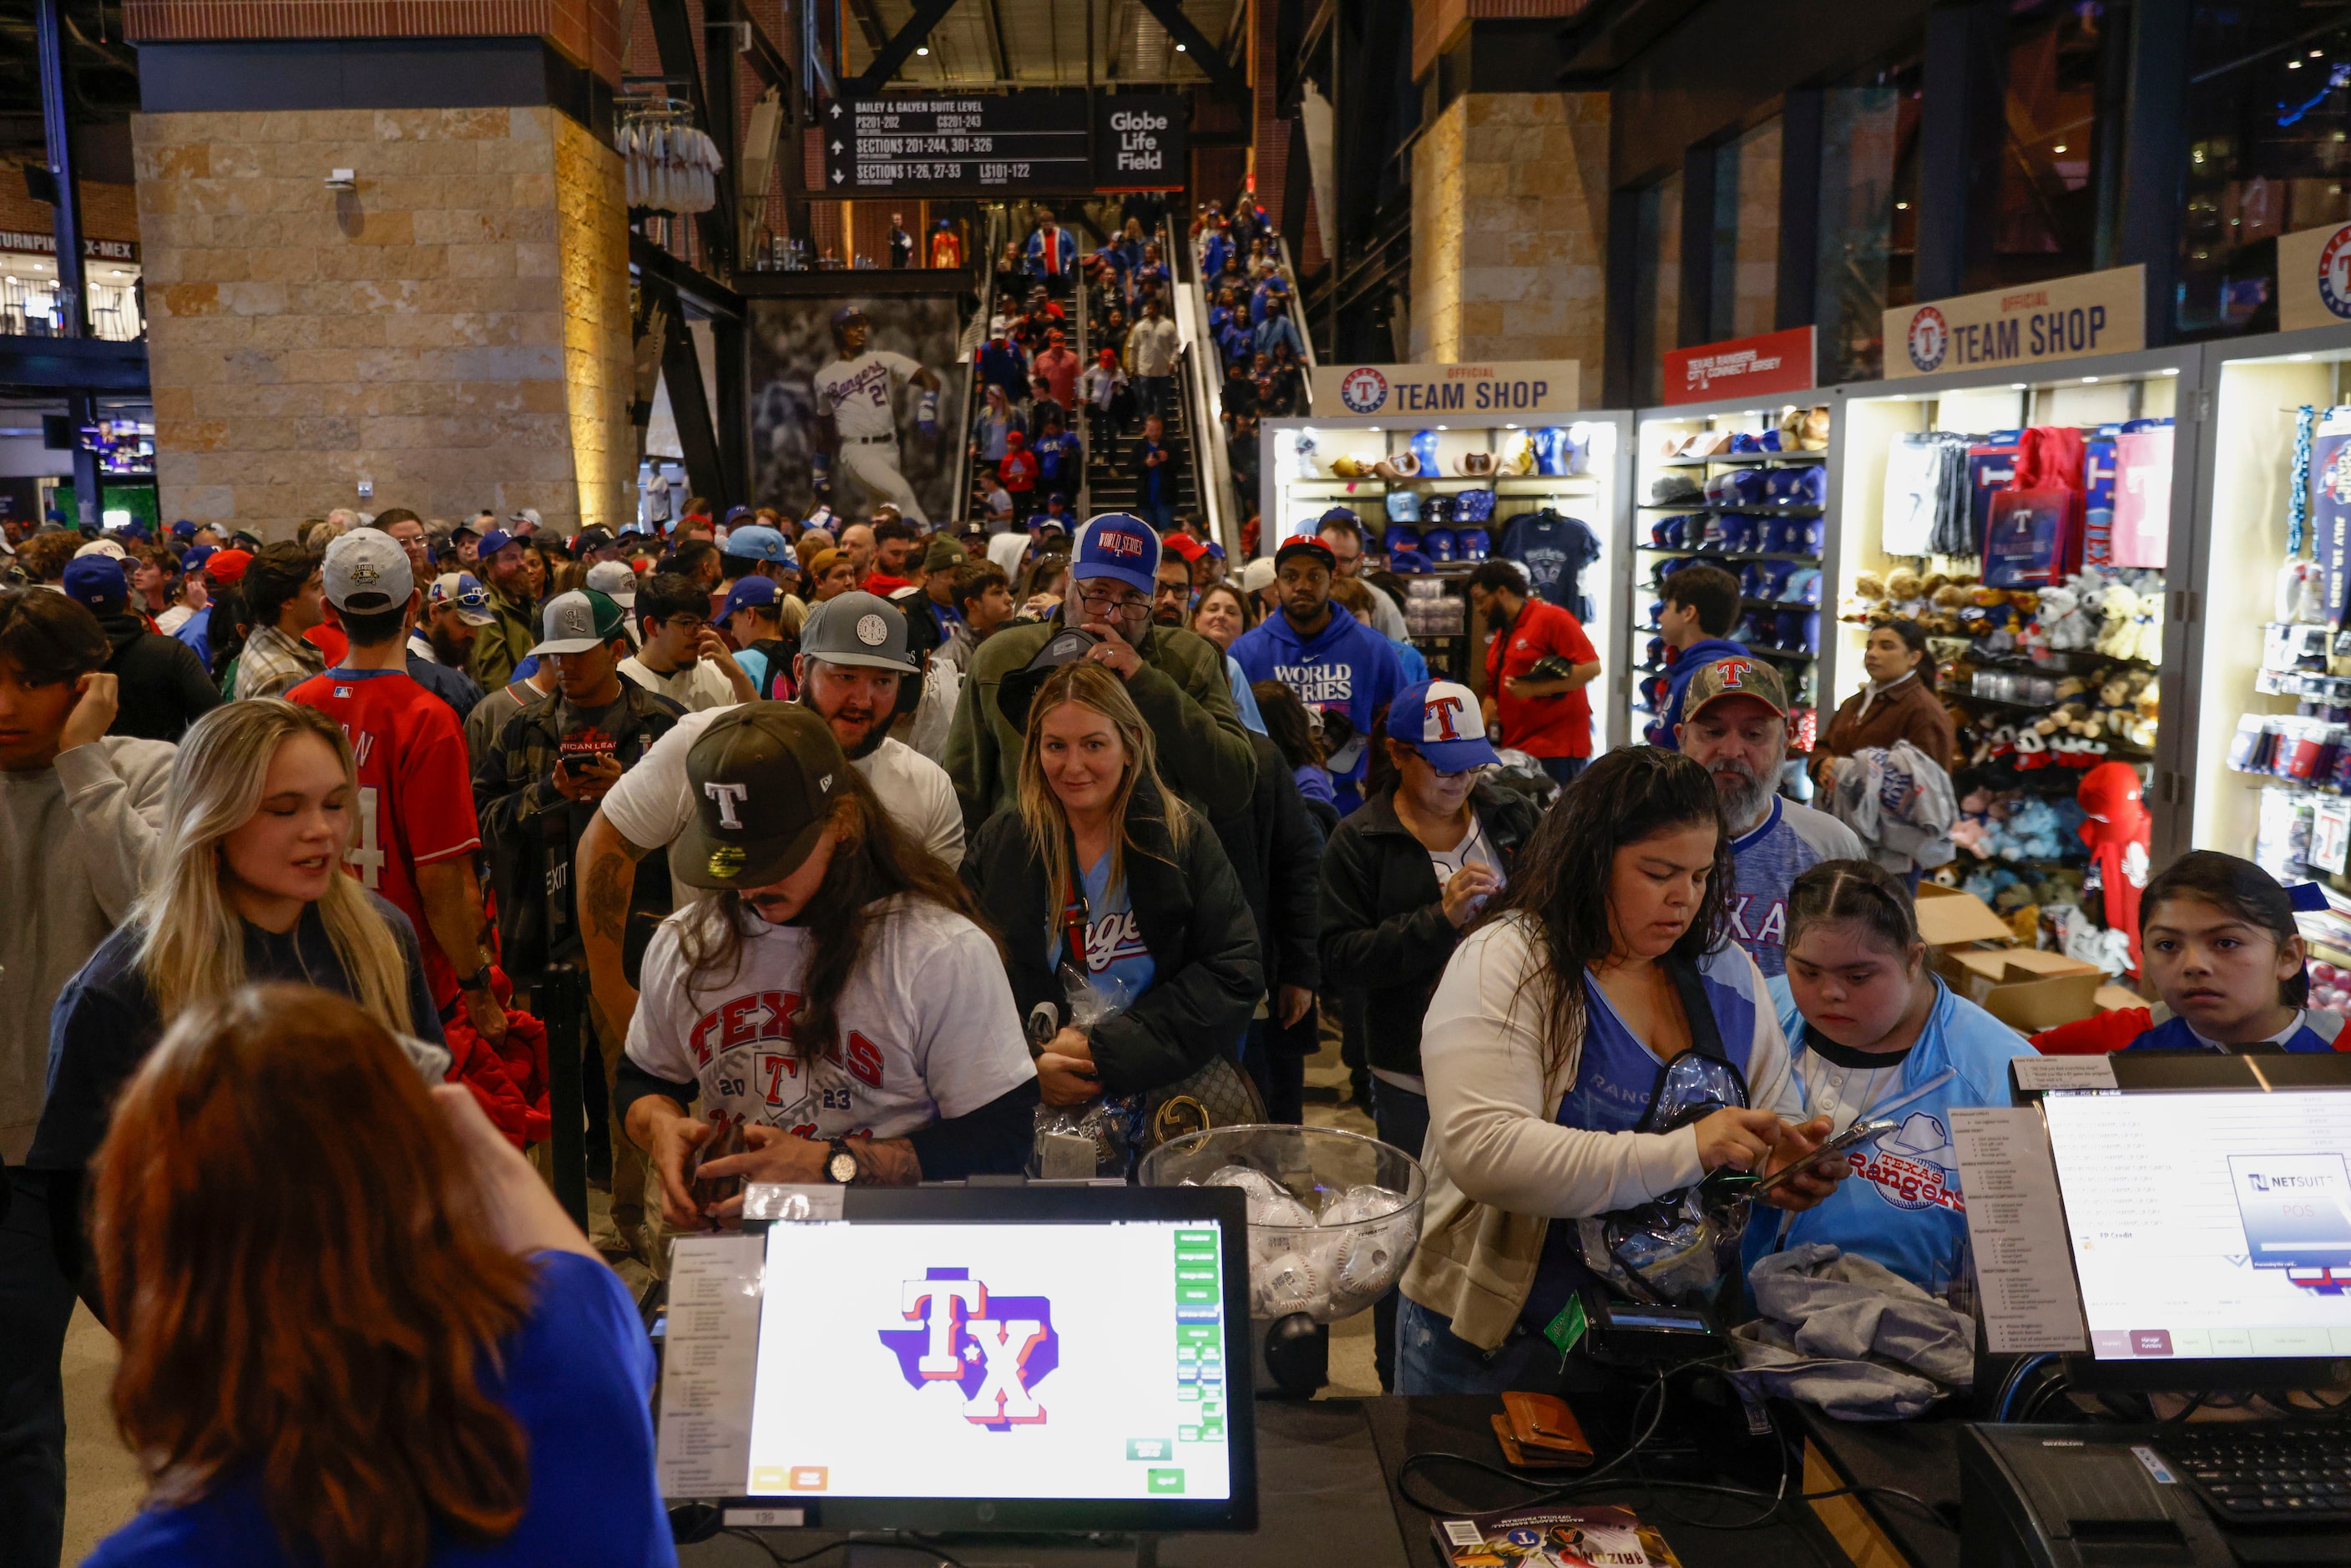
996,1360
2208,1226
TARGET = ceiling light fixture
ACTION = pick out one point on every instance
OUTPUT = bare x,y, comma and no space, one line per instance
1180,49
921,49
2059,148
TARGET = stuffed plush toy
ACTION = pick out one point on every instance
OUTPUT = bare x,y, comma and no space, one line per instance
2118,636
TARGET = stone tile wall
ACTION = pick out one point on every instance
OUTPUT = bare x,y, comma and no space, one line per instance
1510,196
455,331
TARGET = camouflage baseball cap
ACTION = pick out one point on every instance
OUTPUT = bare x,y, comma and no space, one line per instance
1735,677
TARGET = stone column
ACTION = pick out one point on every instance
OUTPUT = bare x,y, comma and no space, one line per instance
1509,197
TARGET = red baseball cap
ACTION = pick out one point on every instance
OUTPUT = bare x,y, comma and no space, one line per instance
1184,545
226,566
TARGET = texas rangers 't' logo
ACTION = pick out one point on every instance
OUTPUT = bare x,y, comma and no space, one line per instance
1363,390
1930,335
995,1349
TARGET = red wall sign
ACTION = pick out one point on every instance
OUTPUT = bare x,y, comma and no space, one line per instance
1773,362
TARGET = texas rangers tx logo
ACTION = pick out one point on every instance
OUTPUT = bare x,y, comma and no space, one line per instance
995,1349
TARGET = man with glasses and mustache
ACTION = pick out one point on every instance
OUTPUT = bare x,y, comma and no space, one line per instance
1734,725
1177,678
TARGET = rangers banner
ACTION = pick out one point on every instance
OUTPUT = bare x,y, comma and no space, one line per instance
2314,277
2064,318
1507,386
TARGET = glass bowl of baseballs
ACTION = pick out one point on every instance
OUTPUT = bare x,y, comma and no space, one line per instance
1333,1215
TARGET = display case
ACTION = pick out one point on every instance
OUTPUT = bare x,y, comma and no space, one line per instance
1743,486
2035,521
1436,498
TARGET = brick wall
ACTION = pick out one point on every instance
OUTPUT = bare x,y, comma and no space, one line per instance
455,331
1509,195
107,212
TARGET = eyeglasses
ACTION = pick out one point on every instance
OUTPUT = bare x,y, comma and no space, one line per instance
1098,603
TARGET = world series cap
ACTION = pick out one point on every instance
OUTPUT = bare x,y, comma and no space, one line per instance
576,621
1121,547
365,570
763,778
1440,720
1734,677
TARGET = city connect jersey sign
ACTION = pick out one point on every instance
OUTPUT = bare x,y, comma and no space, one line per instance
1004,144
2064,318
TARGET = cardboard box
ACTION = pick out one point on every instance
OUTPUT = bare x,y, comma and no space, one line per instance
1948,917
2023,986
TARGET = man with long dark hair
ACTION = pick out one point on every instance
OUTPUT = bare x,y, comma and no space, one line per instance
835,1000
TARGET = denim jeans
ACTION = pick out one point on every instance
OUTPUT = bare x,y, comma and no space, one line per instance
1401,1118
1565,768
1430,1359
36,1302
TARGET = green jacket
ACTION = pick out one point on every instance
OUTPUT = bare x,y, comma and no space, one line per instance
505,642
1182,690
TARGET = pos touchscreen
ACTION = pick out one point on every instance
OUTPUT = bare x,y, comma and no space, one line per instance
2208,1226
1028,1358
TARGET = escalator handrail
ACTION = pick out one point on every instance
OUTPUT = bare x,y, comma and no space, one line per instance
1211,470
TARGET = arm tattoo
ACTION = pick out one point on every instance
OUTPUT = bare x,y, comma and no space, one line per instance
612,879
887,1162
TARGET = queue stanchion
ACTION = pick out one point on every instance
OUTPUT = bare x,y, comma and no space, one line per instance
565,1020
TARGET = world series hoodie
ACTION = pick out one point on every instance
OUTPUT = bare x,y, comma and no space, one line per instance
1348,668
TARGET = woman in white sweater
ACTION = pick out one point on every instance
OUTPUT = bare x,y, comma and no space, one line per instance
1662,1063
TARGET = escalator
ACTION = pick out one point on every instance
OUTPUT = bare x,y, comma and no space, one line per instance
1111,485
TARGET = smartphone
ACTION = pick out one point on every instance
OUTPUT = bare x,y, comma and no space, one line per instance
577,763
1853,1137
707,1190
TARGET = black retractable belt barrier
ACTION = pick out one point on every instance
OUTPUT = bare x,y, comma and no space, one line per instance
560,1008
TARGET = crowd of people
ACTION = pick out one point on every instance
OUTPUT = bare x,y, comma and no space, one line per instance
877,848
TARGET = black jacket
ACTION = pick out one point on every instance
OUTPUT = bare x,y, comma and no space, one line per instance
1188,904
1276,851
1384,928
163,684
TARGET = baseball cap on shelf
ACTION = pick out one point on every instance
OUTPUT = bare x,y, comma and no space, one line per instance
1119,546
1734,677
107,547
1440,719
524,521
758,542
751,591
858,628
494,541
1259,573
1305,545
365,570
763,778
1018,688
226,568
576,621
617,581
95,581
465,590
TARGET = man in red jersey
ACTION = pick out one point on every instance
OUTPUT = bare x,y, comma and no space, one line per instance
417,830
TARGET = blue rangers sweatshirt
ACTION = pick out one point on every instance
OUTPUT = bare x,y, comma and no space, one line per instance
1349,667
1687,663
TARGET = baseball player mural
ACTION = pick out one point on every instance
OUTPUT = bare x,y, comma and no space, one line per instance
846,407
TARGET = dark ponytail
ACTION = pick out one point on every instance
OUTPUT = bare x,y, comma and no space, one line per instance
1854,890
2239,889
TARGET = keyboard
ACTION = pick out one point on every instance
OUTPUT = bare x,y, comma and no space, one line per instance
2264,1474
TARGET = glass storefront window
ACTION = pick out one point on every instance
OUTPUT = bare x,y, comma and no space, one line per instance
2048,215
2269,109
1869,216
1658,309
1746,271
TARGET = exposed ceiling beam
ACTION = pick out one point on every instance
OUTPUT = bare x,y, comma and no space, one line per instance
1194,42
869,22
904,42
992,24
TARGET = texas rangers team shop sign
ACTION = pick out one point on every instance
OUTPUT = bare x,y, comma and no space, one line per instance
1505,387
2064,318
2314,277
1768,363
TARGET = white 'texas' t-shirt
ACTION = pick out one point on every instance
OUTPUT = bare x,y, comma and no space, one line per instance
857,393
697,688
927,1027
649,806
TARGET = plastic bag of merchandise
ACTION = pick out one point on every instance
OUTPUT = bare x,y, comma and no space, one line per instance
1107,1121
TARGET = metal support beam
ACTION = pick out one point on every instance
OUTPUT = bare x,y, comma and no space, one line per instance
730,344
1960,140
674,38
1205,53
1620,371
992,14
1694,318
1802,115
903,45
2155,155
72,298
869,22
697,435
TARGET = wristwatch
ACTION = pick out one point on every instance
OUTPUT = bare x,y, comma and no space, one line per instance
840,1165
479,980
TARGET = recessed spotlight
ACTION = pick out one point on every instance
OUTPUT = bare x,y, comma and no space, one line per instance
921,49
2173,371
2059,148
2301,357
1901,206
2017,386
2293,65
2088,379
1180,49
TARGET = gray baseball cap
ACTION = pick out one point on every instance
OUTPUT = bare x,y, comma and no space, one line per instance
576,621
365,570
858,628
615,579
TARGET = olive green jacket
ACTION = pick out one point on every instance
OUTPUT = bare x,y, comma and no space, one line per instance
1205,753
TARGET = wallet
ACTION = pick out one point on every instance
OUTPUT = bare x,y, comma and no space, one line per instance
1538,1431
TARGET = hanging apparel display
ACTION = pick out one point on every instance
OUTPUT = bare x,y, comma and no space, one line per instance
670,166
1926,495
2141,532
1554,550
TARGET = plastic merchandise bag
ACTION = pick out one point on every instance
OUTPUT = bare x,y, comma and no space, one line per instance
935,709
1107,1121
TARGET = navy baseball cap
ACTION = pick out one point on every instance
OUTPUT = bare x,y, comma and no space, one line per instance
194,560
492,542
751,590
1119,546
1346,512
97,581
732,513
183,529
1440,720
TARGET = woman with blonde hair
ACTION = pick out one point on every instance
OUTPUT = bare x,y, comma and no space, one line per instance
248,884
356,1328
1115,902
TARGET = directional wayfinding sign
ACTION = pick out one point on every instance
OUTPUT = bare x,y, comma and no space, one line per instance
940,145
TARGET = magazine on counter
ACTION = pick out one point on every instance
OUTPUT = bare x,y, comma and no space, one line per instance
1552,1538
